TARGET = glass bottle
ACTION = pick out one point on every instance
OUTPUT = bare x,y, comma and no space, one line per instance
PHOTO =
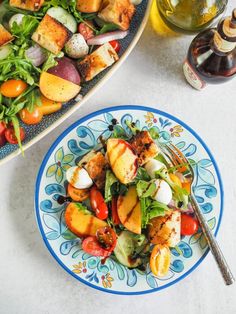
212,55
190,16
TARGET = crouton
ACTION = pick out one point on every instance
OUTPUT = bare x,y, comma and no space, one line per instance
97,61
119,12
30,5
96,165
51,34
144,147
5,36
88,6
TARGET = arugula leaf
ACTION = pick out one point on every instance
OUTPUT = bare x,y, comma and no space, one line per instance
16,127
110,179
145,189
25,29
33,100
151,209
50,61
142,175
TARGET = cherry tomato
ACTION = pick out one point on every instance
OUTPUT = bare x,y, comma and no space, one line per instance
189,225
2,140
91,246
115,44
160,260
106,237
98,204
2,127
31,117
11,137
13,88
85,30
114,213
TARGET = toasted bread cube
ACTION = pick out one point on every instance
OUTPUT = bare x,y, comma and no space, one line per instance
97,61
96,165
30,5
51,34
5,36
88,6
144,147
119,12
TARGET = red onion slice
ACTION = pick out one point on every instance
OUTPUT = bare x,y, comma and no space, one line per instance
104,38
36,55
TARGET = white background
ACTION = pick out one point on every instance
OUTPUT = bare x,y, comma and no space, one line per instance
30,279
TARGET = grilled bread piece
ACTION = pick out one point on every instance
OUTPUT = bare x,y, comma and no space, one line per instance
144,147
97,61
119,12
51,34
30,5
88,6
165,229
96,165
5,36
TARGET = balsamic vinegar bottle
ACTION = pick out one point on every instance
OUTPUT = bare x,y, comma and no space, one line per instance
212,55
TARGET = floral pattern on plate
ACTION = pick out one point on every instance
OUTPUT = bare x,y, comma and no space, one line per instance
78,140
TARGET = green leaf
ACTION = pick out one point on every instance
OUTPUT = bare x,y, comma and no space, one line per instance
25,29
110,179
50,61
51,170
59,155
142,175
83,208
145,189
16,127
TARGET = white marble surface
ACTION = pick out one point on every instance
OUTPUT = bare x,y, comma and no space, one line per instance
30,279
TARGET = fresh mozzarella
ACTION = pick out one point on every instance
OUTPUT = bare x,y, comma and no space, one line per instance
163,193
77,47
79,178
152,166
16,18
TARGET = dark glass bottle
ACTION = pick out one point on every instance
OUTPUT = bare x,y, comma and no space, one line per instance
212,55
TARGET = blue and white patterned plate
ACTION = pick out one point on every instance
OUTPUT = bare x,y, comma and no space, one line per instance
79,139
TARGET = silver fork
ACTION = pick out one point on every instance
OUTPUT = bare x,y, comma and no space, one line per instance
176,157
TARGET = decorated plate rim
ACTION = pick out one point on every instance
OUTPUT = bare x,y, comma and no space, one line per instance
76,124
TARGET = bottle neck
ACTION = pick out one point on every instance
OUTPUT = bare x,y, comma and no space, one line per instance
225,36
222,45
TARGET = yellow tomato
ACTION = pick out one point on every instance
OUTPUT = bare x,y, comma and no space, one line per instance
49,106
31,117
175,179
160,260
13,88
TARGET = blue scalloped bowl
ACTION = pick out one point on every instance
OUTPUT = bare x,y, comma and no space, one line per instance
79,139
35,132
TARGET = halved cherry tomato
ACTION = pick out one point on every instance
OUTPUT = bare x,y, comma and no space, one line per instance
160,260
187,186
85,30
2,127
91,246
13,88
2,140
114,213
11,137
49,106
115,44
189,225
175,179
98,204
107,238
77,195
31,117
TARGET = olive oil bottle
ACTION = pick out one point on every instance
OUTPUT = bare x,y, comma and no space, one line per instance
190,16
212,55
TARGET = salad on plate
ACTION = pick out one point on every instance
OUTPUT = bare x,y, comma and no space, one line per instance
127,202
49,50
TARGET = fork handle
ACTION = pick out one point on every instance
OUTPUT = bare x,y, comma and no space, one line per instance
213,245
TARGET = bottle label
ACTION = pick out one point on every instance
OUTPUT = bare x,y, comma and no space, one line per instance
222,44
192,77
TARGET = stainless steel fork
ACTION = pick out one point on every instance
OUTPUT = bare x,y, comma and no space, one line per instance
177,158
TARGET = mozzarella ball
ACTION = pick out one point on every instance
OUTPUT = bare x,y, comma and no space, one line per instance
163,193
79,178
152,166
16,18
77,47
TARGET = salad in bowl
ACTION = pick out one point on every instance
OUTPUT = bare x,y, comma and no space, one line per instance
127,202
49,52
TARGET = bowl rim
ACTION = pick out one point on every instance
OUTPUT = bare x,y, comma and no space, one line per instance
76,124
91,92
